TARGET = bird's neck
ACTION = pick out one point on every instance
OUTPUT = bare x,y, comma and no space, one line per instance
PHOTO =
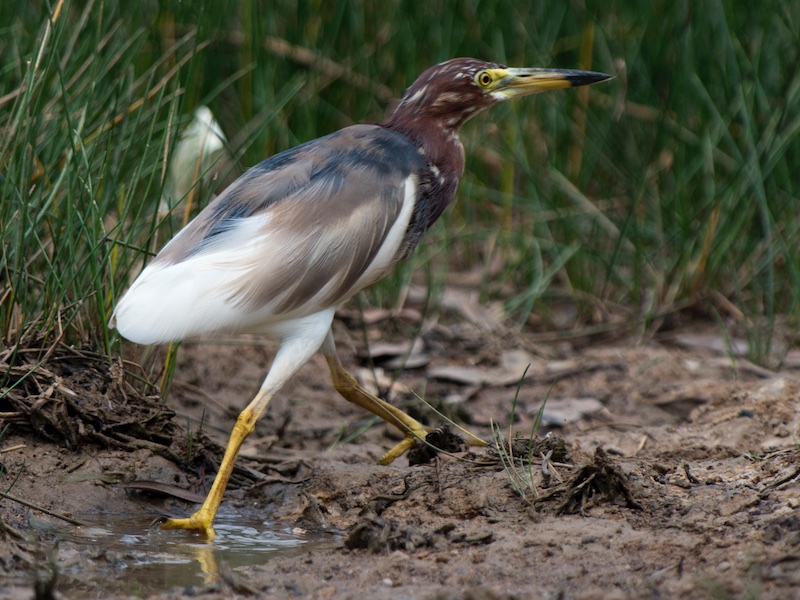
443,153
437,141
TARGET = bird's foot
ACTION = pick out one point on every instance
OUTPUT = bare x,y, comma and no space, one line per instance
474,440
418,433
200,521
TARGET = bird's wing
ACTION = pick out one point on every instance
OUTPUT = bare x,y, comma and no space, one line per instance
296,234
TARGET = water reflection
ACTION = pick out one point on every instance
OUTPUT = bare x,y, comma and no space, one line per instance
118,552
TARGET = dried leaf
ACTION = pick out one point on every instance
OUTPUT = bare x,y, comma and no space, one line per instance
375,382
513,364
560,411
165,489
466,304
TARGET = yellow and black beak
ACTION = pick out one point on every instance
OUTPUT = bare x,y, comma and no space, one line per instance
509,82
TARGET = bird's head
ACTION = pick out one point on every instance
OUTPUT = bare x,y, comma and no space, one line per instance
453,91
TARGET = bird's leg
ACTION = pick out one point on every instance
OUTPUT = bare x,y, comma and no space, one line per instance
292,354
203,519
351,391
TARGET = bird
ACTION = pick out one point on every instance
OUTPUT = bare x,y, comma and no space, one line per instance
300,233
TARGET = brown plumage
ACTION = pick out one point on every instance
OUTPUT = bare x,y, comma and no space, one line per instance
301,232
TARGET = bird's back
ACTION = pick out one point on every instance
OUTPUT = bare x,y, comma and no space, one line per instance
296,234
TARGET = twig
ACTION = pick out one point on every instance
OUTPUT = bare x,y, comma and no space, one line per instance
12,448
692,479
69,520
310,58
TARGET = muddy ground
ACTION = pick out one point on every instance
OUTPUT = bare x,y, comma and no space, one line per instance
671,470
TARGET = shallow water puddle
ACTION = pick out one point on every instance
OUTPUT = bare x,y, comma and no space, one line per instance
124,552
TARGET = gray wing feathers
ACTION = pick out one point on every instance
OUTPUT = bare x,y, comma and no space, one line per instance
323,211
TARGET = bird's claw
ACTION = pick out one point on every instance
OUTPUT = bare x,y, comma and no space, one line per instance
404,446
197,522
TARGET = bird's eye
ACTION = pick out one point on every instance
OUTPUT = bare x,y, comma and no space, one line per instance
483,78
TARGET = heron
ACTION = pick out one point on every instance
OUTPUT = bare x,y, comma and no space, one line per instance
300,233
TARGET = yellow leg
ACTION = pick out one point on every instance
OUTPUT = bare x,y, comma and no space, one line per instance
351,391
293,353
203,519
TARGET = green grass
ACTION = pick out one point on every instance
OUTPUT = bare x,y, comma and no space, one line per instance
519,469
668,187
